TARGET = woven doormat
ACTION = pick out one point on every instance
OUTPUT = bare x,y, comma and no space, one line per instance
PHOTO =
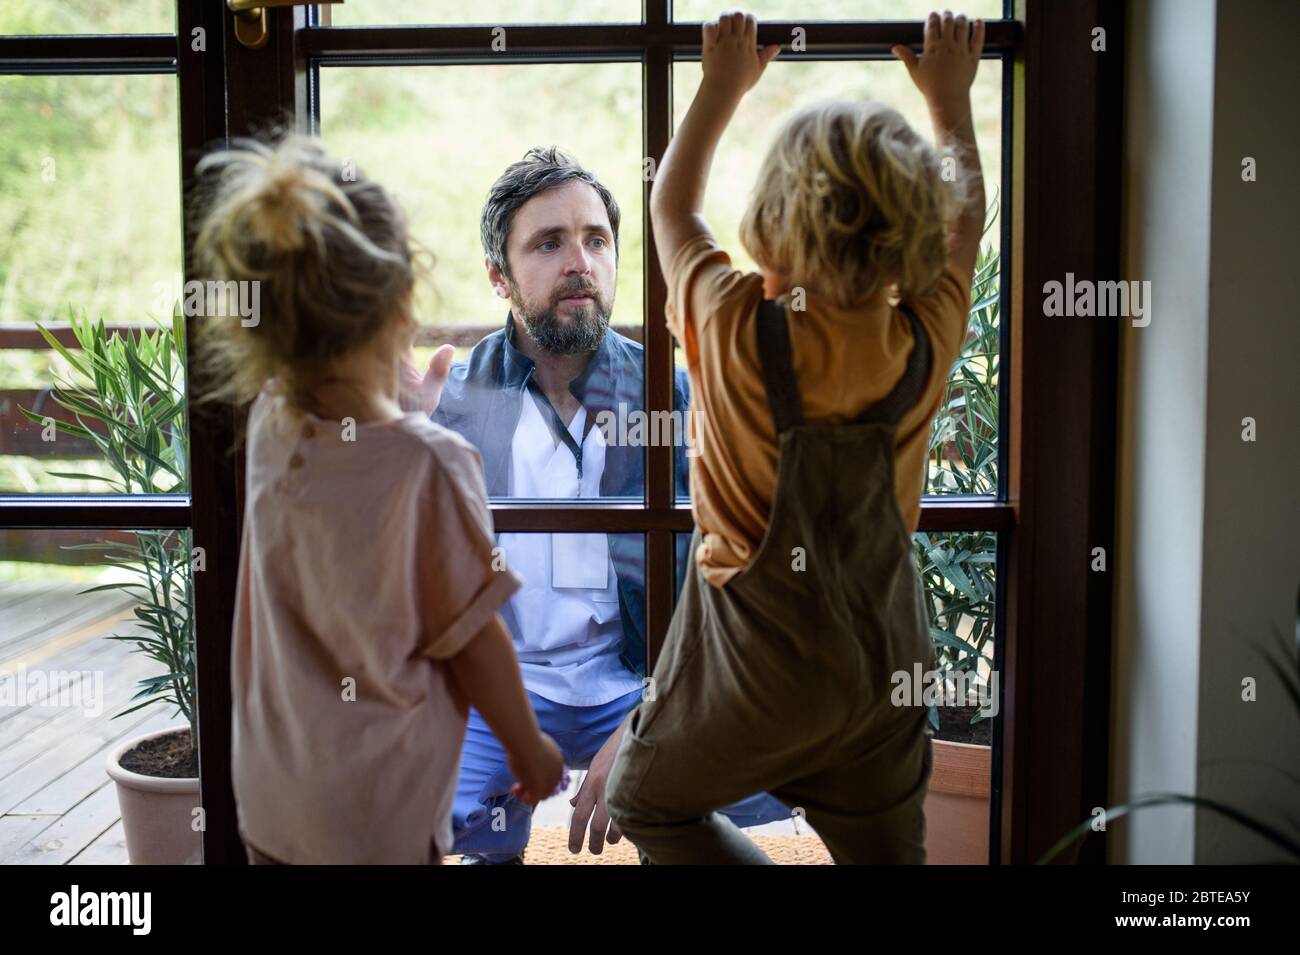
549,845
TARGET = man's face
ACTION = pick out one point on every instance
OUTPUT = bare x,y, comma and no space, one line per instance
561,254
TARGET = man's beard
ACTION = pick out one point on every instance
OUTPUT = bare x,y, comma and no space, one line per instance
580,331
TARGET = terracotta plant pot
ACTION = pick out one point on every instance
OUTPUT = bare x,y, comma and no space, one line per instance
157,812
957,804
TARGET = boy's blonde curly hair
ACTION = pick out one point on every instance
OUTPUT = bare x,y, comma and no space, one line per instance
850,200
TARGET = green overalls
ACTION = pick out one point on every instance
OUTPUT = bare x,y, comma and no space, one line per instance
780,681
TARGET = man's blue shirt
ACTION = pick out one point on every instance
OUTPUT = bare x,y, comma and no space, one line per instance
482,401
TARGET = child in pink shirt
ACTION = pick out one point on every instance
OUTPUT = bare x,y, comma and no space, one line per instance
366,617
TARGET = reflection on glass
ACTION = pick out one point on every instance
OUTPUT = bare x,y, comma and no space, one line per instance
86,232
390,12
963,451
71,693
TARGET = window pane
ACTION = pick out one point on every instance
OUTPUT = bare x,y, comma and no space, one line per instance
574,646
684,562
958,572
89,229
438,137
805,10
783,834
958,577
390,12
963,453
66,688
88,17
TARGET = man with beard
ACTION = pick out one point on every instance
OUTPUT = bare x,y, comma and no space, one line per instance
529,398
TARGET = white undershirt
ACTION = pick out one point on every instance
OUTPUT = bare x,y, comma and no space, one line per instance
564,620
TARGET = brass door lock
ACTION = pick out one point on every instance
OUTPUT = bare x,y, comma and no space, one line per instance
251,27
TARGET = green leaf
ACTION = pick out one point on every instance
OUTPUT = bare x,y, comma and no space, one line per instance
1275,836
78,476
949,640
63,351
120,586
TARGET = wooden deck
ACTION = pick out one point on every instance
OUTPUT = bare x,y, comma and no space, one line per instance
57,803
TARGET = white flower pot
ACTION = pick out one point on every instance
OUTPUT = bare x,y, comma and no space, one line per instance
157,812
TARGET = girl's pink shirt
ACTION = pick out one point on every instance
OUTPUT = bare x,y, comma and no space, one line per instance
367,561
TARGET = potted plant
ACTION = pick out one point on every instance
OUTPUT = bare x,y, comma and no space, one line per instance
958,578
132,387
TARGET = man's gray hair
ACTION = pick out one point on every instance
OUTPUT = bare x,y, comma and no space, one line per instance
542,168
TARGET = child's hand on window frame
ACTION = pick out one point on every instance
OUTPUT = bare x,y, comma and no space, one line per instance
950,55
730,54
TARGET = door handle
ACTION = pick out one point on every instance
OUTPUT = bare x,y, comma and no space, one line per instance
251,28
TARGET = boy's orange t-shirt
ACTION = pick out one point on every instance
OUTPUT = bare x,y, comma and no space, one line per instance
845,360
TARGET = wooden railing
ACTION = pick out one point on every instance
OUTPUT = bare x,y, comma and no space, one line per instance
19,436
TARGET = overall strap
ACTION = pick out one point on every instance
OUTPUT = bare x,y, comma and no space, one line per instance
777,362
905,394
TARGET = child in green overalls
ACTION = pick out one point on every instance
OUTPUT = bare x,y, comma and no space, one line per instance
814,383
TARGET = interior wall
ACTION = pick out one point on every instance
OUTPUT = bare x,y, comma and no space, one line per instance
1208,567
1169,97
1251,552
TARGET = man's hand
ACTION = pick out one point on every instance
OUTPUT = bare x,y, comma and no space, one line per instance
589,803
950,55
423,392
731,58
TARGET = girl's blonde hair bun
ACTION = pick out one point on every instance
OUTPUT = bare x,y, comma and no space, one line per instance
328,247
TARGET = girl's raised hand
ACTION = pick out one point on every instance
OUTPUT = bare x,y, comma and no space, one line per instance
539,772
731,57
